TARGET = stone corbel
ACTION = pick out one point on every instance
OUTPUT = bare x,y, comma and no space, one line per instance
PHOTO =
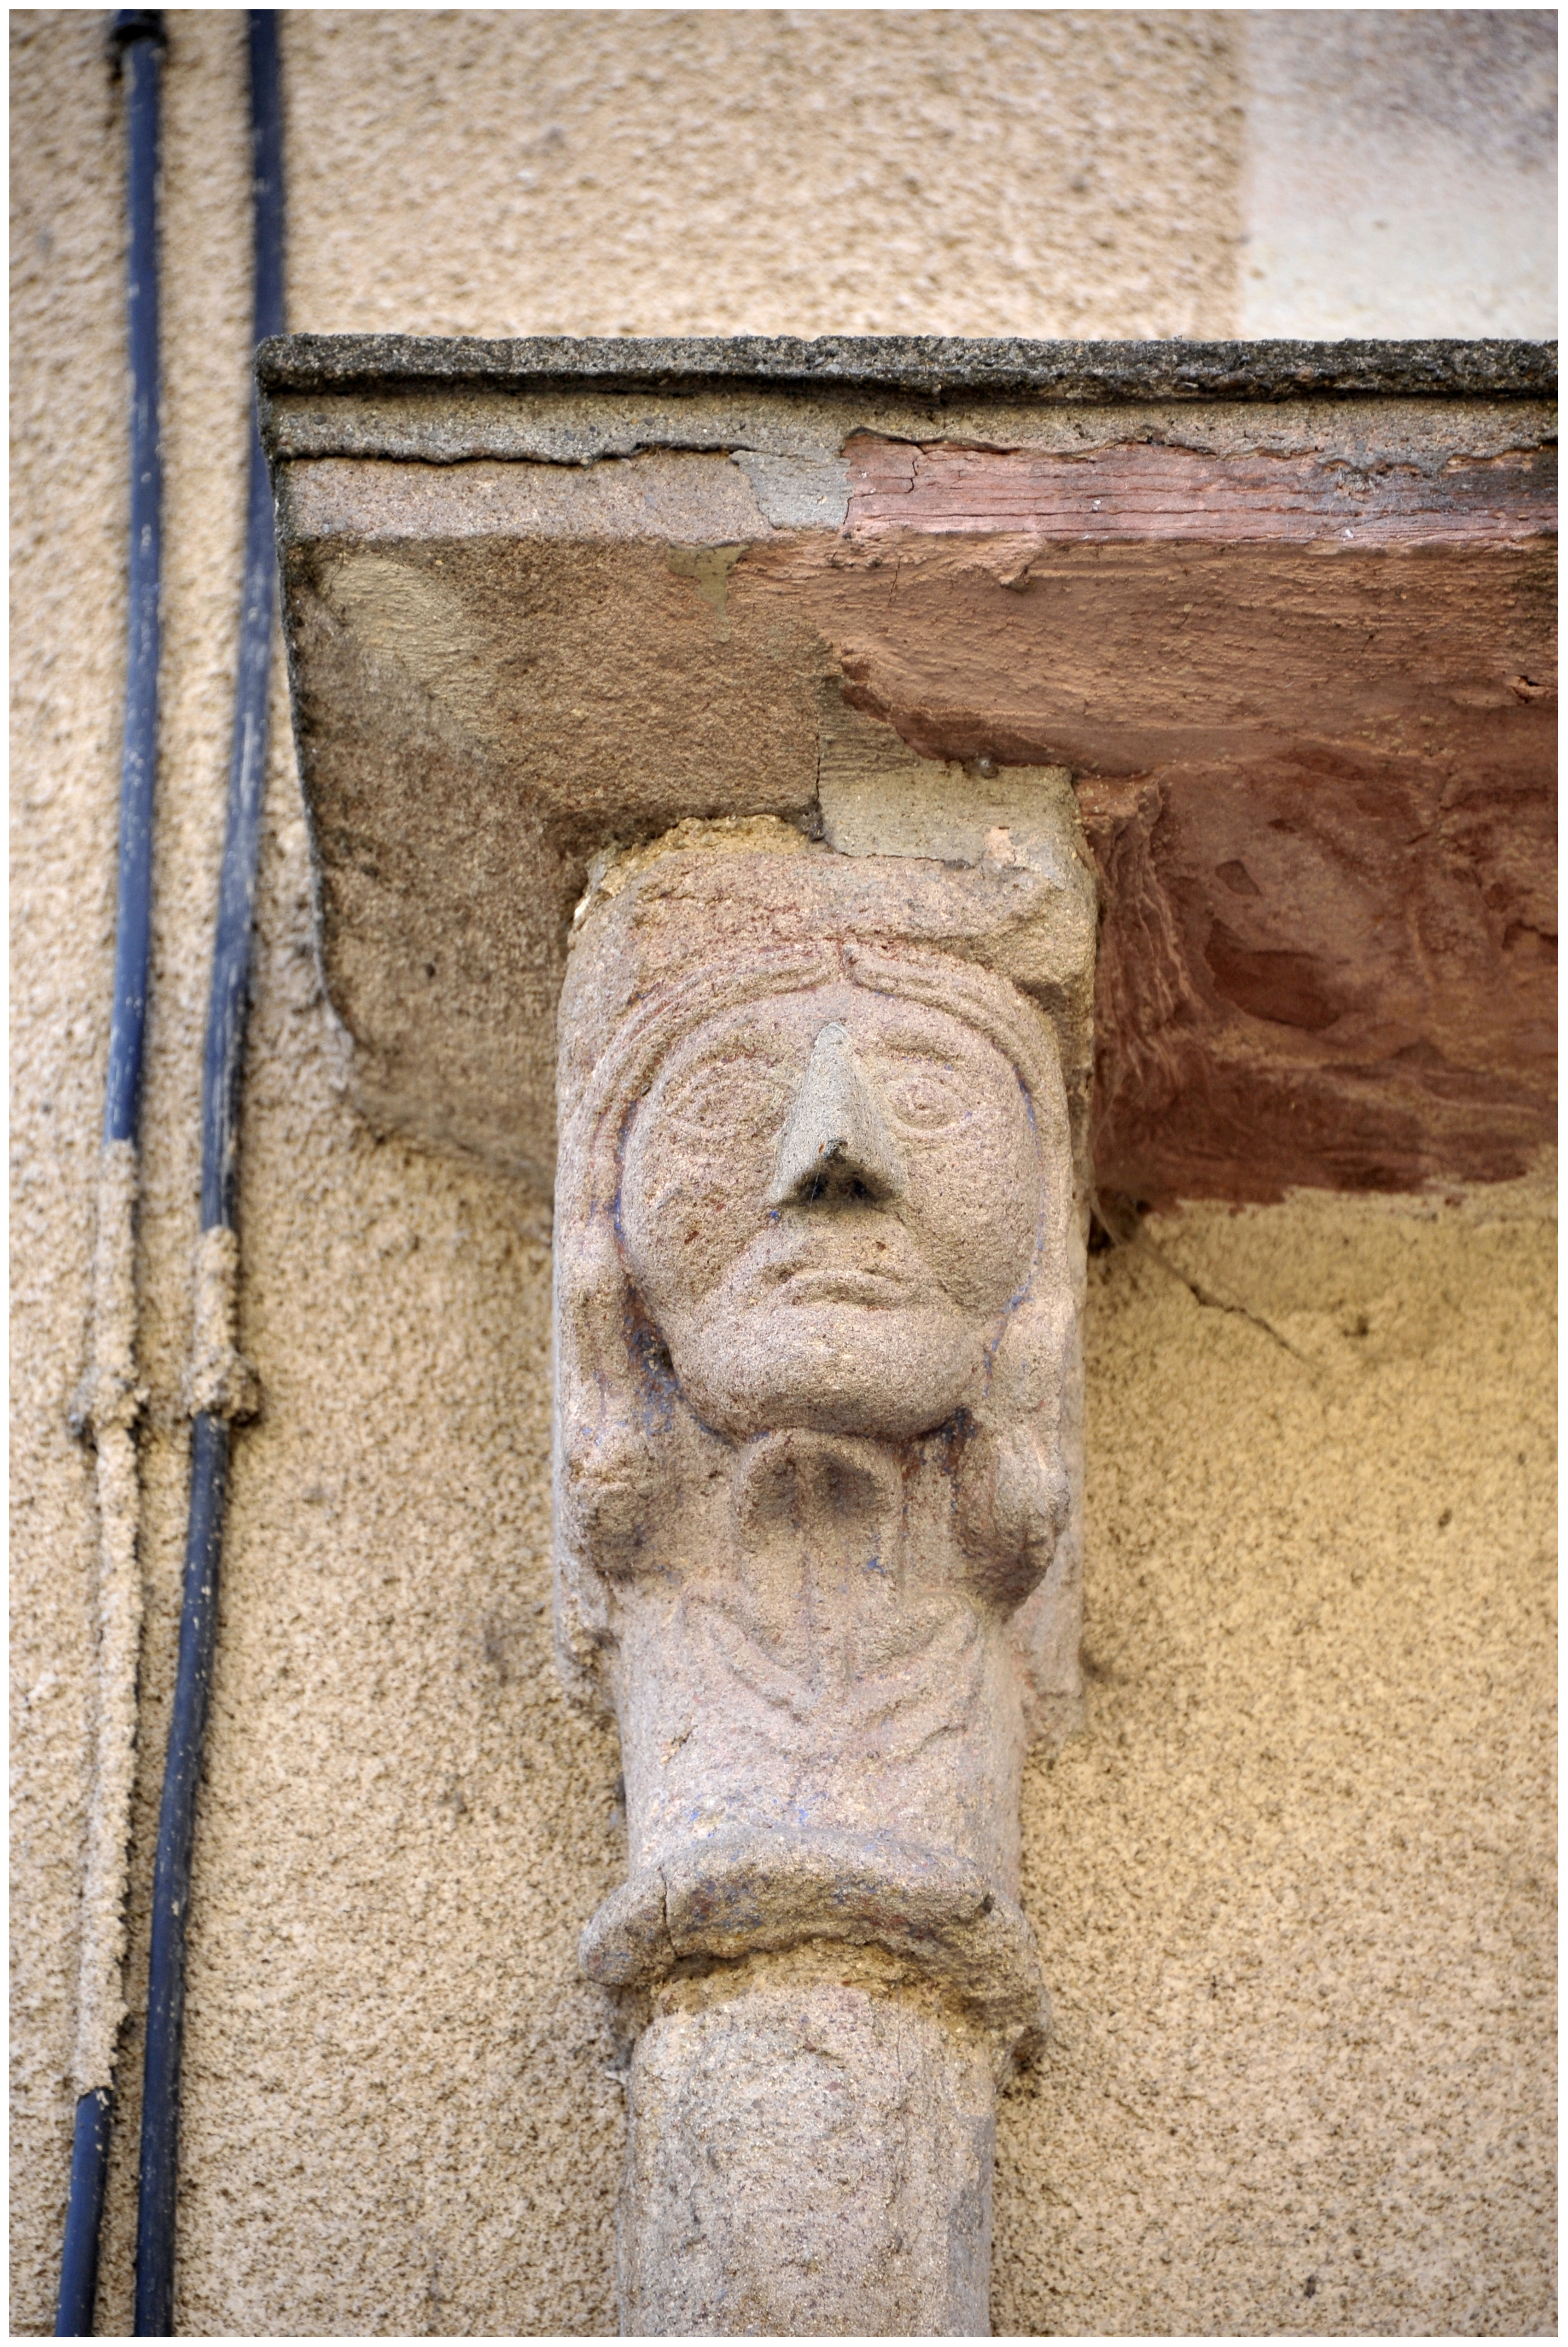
820,1225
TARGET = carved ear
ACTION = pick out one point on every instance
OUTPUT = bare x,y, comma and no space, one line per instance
1014,1495
623,1431
1013,1500
609,1504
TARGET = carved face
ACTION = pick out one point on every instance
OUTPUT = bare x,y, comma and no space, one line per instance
828,1201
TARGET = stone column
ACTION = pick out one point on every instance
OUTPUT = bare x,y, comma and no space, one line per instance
810,2155
819,1272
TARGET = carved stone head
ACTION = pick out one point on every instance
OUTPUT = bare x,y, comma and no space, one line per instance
810,1179
829,1200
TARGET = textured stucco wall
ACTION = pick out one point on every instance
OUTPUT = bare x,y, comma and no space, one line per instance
777,173
1292,1885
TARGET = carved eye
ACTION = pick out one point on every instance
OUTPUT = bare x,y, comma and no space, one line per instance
729,1099
925,1097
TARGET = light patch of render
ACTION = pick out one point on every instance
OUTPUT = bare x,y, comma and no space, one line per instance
403,1824
1400,172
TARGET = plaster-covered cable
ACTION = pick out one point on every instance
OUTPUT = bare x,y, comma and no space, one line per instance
219,1381
109,1399
220,1387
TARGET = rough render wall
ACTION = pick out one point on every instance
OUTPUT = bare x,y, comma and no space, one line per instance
1292,1885
779,172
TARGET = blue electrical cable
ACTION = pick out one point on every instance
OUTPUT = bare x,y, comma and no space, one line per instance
138,33
136,38
85,2215
221,1072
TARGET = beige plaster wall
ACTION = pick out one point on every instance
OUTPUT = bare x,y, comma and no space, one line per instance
780,171
1293,1884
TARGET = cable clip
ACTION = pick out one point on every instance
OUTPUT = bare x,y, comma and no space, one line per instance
105,1399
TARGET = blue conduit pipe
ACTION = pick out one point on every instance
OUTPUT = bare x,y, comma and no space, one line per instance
136,38
221,1072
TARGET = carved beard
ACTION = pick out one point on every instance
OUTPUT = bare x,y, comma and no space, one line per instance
820,1724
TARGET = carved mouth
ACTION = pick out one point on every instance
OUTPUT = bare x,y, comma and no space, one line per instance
842,1286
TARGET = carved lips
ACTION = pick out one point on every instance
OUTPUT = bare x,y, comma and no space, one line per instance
877,1290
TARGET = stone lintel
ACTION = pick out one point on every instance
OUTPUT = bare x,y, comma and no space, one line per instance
1284,611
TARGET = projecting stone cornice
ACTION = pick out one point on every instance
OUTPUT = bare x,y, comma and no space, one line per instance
1285,611
934,366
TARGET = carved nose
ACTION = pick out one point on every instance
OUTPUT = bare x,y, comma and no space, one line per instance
834,1143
